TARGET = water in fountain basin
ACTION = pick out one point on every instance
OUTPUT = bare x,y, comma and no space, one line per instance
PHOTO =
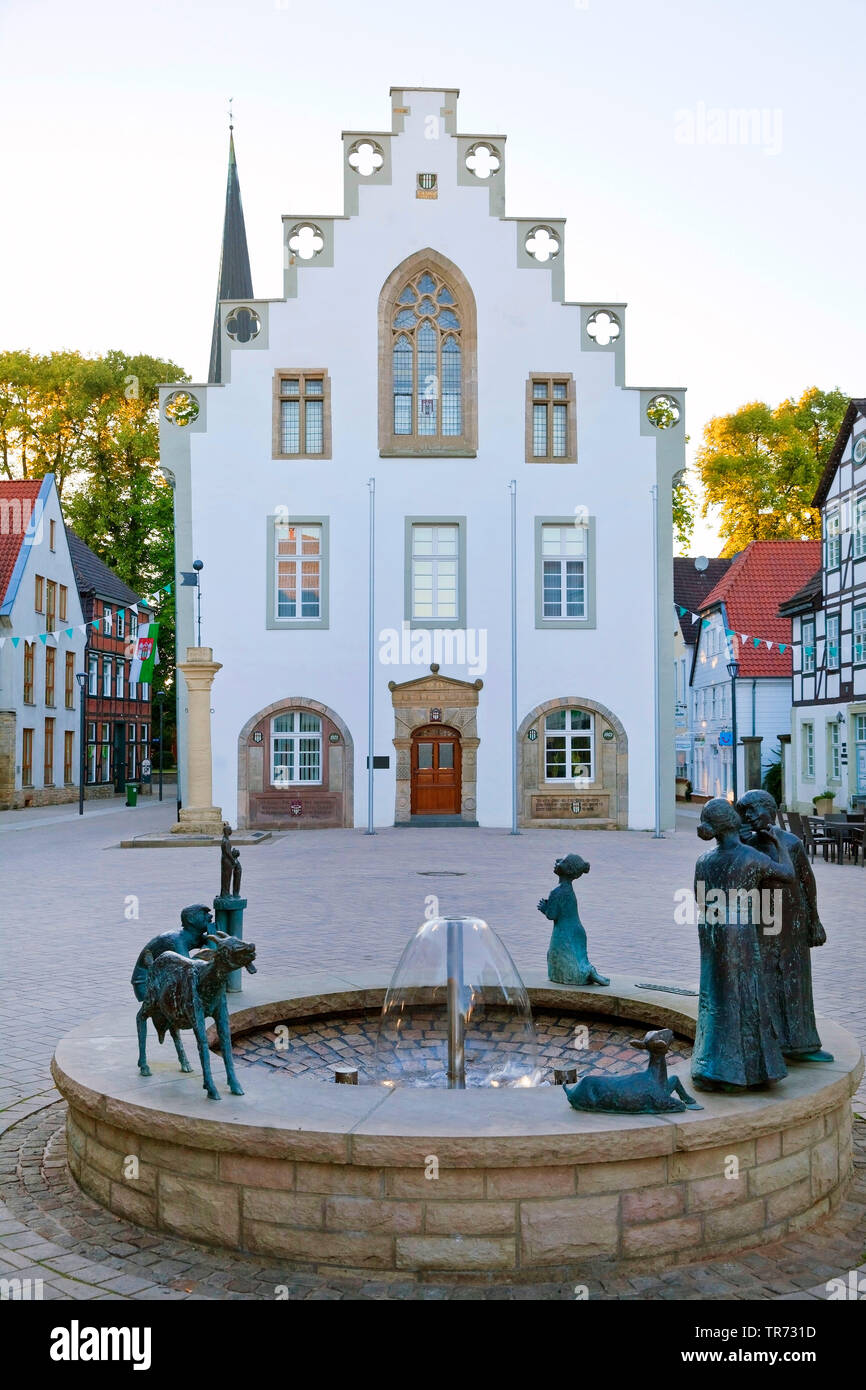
456,1012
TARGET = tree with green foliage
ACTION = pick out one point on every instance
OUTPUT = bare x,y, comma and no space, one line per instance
93,422
761,465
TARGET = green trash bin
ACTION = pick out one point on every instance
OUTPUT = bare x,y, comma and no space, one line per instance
131,794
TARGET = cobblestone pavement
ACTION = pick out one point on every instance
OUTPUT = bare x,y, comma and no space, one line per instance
78,909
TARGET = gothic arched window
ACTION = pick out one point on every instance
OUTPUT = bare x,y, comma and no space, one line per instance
427,398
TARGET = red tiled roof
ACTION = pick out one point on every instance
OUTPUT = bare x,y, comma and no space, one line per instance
11,535
761,577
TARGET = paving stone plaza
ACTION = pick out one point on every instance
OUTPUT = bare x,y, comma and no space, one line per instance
317,899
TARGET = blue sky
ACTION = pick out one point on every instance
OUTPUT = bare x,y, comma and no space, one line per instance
741,261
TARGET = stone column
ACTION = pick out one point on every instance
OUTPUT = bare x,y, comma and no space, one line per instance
7,758
788,796
199,816
751,760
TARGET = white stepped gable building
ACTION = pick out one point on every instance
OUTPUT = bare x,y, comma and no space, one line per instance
828,616
423,342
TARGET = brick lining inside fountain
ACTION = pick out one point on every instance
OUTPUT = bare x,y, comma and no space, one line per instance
312,1047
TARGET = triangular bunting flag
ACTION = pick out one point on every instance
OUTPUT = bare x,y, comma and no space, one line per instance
769,646
682,611
70,631
2,640
15,641
695,617
782,646
705,623
744,637
43,638
166,588
82,627
756,641
96,622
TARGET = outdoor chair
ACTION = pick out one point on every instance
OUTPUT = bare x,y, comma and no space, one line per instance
816,837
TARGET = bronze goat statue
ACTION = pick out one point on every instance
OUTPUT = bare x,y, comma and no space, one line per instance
649,1092
181,992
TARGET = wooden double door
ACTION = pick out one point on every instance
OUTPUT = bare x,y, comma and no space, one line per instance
436,771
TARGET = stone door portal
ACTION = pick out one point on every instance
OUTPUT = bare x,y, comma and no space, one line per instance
436,769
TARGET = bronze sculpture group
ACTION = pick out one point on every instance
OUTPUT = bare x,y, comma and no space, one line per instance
180,978
757,924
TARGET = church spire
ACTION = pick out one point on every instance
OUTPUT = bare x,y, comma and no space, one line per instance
235,280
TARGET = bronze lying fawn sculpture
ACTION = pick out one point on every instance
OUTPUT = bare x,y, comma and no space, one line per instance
182,992
644,1093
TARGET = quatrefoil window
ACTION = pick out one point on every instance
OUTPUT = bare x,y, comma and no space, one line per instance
181,408
366,158
306,240
242,325
603,327
663,412
542,243
483,160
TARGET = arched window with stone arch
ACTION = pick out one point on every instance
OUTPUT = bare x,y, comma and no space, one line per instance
427,360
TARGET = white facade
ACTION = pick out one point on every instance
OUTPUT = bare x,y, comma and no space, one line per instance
230,488
41,601
828,729
763,710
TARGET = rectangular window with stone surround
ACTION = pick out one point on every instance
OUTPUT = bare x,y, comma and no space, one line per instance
808,736
302,414
565,571
297,572
551,433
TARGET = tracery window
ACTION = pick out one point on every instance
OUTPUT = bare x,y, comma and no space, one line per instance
427,320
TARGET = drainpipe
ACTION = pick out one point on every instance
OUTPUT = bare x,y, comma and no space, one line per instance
512,488
754,701
371,659
657,772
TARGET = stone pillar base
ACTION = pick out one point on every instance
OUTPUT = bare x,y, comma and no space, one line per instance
199,820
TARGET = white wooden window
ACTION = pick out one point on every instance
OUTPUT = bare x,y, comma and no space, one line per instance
832,653
297,571
93,675
118,686
296,749
91,752
435,561
808,733
121,622
807,634
860,526
107,620
860,751
106,675
563,567
133,623
569,752
131,759
860,634
106,752
834,759
834,540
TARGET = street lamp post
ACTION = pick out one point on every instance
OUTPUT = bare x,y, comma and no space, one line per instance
81,677
160,701
733,672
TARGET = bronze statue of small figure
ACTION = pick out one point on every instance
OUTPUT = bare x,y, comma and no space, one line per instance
567,960
230,865
785,952
650,1092
196,921
736,1045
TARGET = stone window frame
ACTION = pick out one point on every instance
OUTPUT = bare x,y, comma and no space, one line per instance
432,623
551,379
302,374
568,734
530,757
310,706
588,622
272,622
393,445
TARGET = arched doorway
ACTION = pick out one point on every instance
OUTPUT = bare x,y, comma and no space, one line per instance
295,768
436,775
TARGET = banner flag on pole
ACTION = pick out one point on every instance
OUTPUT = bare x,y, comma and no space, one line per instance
146,655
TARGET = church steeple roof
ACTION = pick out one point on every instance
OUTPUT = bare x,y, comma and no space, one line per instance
235,280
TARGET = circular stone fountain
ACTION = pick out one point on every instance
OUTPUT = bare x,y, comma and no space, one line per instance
490,1181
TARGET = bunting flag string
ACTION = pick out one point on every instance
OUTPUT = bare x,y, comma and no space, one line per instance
745,637
95,623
